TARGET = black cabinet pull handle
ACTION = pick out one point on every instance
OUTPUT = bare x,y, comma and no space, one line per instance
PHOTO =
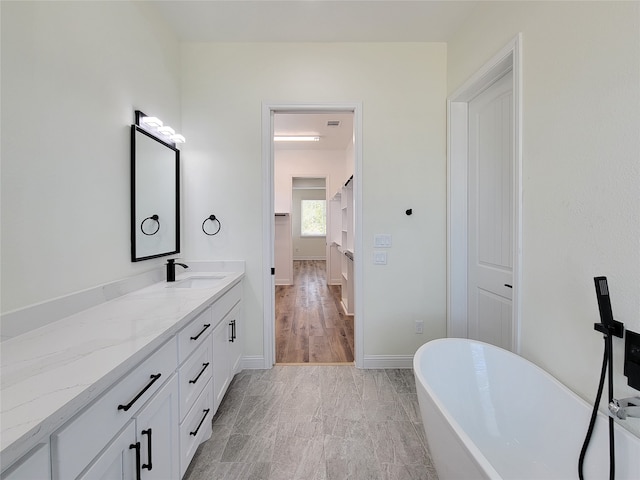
232,324
206,325
204,367
137,447
130,404
194,433
508,286
148,465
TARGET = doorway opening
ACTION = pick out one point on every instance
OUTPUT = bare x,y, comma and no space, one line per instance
311,314
493,93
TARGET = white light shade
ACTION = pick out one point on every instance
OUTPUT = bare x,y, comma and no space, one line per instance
299,138
178,138
166,130
152,121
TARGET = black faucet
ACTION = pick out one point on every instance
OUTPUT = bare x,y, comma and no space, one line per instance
171,269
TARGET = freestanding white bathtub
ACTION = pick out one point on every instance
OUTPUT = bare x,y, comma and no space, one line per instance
489,413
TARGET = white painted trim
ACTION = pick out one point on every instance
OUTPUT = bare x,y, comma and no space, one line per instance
310,257
358,264
509,58
268,241
252,362
388,361
268,109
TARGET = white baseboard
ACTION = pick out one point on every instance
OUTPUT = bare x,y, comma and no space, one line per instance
252,362
310,257
388,361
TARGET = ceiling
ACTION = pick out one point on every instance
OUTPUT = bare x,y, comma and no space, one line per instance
331,137
314,20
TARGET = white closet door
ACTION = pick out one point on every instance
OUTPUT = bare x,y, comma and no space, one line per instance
491,200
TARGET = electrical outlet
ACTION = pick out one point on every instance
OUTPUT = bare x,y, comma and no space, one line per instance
419,326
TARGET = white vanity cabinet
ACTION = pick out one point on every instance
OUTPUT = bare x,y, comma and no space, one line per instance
147,448
147,422
196,406
116,462
34,465
227,351
157,440
75,446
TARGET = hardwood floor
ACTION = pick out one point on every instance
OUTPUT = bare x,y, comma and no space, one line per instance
311,326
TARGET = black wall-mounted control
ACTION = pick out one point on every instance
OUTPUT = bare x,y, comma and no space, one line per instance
632,359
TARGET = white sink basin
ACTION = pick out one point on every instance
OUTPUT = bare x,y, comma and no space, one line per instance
199,282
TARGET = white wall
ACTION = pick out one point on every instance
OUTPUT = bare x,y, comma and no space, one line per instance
291,163
402,87
72,75
581,174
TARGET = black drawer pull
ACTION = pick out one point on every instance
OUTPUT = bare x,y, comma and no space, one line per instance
206,412
130,404
232,324
206,325
508,286
137,447
148,465
204,367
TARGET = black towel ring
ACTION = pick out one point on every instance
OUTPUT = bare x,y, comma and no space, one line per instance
156,219
213,219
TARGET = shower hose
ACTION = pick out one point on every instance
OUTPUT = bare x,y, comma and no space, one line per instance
606,360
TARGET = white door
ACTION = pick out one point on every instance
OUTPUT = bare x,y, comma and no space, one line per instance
491,213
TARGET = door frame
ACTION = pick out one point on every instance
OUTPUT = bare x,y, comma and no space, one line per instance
268,213
508,58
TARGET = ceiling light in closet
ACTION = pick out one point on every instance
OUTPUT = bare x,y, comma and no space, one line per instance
297,138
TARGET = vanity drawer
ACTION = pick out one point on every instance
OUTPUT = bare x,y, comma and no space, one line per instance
75,445
196,427
194,375
225,303
194,334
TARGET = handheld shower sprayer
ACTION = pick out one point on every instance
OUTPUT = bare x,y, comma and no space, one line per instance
609,328
607,324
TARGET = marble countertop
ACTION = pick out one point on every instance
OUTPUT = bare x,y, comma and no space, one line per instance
47,375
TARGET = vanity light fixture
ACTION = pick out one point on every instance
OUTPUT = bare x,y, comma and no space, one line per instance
155,127
152,122
166,130
296,138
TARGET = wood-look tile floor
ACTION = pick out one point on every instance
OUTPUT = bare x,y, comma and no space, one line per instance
316,423
310,324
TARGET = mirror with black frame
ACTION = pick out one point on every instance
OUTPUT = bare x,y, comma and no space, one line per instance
155,194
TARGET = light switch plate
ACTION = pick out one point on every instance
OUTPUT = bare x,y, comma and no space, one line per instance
379,258
382,240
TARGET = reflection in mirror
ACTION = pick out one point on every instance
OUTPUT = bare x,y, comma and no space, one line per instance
155,204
